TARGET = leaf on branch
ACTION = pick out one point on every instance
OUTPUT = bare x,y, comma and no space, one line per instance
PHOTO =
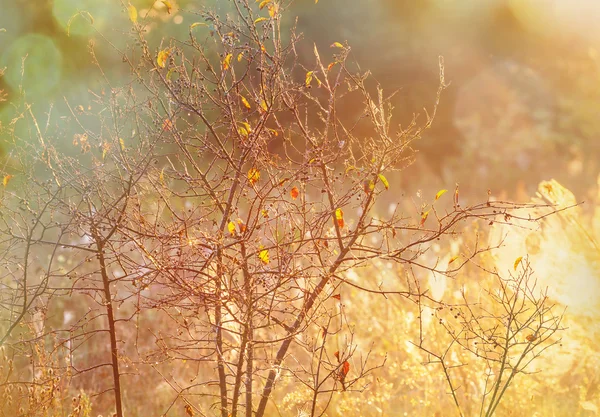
309,77
226,62
167,125
440,193
168,5
337,354
385,182
240,56
162,57
331,65
454,258
133,14
273,9
260,19
189,410
517,262
368,186
244,129
345,368
294,193
122,143
263,4
339,217
263,255
337,45
245,102
530,337
263,106
253,176
193,25
6,180
241,225
231,228
337,297
161,177
424,217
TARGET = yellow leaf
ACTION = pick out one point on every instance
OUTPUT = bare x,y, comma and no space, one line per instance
161,177
133,15
273,9
168,4
244,129
273,132
337,45
253,176
193,25
331,66
226,62
260,19
263,105
263,255
240,56
6,179
440,193
454,258
309,77
263,4
231,228
385,182
424,217
294,193
368,186
339,216
245,102
517,262
167,125
122,143
262,48
162,57
170,73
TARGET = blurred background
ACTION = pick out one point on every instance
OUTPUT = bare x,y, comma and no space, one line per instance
524,75
522,106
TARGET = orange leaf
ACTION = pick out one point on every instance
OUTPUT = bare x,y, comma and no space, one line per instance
337,297
339,216
337,354
6,179
294,193
331,66
162,57
531,337
241,225
167,125
454,258
253,176
345,368
424,217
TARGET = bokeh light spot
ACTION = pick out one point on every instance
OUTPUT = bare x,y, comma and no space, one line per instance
41,69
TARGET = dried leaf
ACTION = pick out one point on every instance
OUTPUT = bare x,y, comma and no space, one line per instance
263,255
440,193
6,179
339,216
122,143
263,106
253,176
245,102
133,14
337,354
424,217
531,337
161,177
167,125
241,225
240,56
345,368
193,25
169,5
337,297
294,193
263,4
189,410
226,62
454,258
385,182
162,57
331,65
273,9
260,19
309,77
337,45
231,228
368,186
517,262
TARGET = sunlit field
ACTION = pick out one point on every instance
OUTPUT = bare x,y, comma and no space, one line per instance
299,208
